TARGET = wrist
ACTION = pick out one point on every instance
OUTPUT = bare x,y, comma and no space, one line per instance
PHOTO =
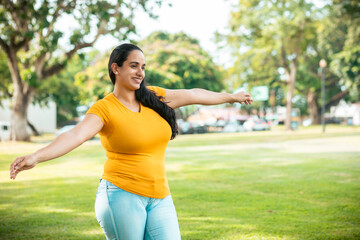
231,98
36,157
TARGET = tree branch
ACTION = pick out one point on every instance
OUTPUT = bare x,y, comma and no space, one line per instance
335,99
333,80
21,44
283,56
10,7
39,64
298,42
56,68
55,16
5,47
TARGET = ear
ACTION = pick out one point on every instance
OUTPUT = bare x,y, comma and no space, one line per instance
115,68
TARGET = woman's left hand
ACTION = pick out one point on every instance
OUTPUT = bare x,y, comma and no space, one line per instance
242,97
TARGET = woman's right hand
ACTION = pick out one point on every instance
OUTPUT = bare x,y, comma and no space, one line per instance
63,144
22,163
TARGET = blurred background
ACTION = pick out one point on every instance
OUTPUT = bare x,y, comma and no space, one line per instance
299,59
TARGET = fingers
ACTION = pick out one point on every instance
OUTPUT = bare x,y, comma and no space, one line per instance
248,101
16,167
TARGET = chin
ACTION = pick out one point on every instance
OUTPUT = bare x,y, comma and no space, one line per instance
135,87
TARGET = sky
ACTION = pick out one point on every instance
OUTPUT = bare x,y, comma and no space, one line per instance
199,19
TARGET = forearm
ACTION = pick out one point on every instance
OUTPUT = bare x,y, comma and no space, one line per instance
63,144
182,97
205,97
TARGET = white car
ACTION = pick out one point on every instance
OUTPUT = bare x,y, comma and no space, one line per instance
233,127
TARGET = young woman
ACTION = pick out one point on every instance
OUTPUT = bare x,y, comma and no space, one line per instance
135,123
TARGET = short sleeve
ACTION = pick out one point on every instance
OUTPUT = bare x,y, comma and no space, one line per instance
101,110
158,90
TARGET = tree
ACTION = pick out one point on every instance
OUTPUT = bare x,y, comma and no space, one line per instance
337,36
178,61
64,90
95,79
346,63
270,36
172,61
31,41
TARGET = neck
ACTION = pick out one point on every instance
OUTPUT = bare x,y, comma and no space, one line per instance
125,95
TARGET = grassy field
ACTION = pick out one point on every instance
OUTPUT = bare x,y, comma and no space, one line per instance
262,185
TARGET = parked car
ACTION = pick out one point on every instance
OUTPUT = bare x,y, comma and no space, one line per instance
190,128
261,125
233,127
198,128
256,125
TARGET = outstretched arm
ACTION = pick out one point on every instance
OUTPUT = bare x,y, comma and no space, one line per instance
183,97
63,144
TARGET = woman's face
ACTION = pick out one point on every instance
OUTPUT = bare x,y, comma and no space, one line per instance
132,72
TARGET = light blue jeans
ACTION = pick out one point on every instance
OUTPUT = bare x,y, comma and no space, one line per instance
126,216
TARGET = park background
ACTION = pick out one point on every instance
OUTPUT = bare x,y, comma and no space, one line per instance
300,180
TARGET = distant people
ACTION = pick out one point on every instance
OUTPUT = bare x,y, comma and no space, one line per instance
135,123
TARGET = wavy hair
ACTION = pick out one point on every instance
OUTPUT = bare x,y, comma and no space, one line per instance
147,97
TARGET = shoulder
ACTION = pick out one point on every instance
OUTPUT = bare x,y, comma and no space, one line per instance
101,108
102,104
157,90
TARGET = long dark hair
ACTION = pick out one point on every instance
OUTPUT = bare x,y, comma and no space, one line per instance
148,98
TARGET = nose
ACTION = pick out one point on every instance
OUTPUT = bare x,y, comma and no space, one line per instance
140,72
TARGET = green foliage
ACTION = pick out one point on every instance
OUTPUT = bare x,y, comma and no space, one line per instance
345,63
36,50
95,78
65,90
172,61
267,37
5,78
177,61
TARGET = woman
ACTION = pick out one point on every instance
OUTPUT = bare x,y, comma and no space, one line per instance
135,124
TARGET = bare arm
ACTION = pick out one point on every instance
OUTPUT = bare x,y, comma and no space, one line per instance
63,144
183,97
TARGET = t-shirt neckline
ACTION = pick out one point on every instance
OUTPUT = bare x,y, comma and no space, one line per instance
141,106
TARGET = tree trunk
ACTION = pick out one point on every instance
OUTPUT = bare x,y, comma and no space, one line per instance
20,102
313,106
291,77
18,122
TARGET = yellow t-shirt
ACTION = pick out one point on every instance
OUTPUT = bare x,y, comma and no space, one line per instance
135,144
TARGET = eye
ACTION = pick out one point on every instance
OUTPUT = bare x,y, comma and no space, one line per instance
133,66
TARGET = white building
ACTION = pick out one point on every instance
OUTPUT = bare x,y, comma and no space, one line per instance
42,117
346,112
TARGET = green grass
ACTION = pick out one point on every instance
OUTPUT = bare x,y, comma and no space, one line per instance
225,186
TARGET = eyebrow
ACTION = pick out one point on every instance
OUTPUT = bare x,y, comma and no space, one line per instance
137,63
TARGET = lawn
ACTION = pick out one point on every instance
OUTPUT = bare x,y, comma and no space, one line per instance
262,185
